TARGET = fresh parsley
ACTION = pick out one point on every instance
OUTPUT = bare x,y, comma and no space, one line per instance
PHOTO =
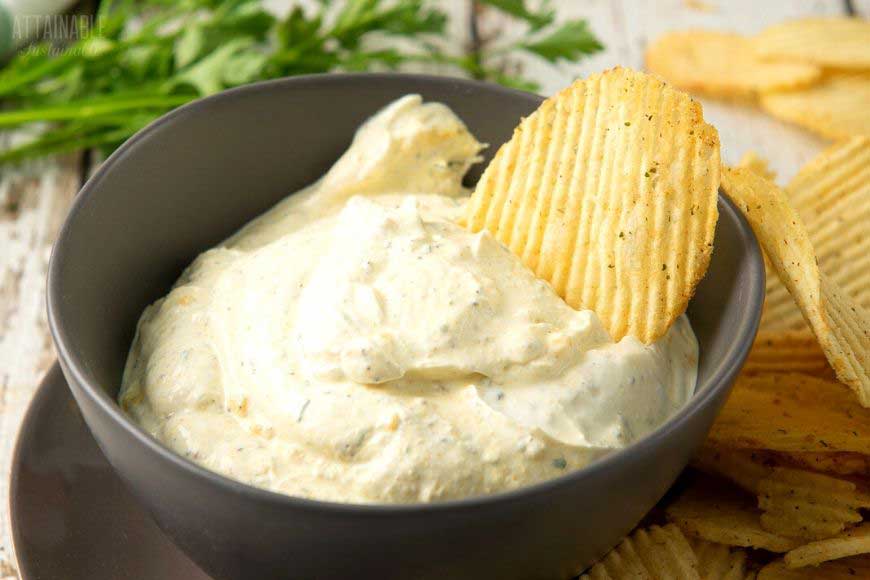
143,58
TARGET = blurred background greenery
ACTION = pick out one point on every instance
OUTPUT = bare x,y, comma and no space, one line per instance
95,79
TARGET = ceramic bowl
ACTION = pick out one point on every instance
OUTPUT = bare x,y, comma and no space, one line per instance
189,180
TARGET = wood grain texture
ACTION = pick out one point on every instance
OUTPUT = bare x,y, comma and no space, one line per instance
861,8
34,201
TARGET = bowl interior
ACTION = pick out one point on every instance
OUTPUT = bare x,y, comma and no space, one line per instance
189,180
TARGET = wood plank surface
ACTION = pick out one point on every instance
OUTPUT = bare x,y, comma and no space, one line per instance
34,201
861,7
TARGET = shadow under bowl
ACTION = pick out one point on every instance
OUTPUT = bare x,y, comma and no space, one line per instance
185,183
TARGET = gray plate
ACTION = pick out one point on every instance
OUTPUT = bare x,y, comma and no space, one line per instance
72,518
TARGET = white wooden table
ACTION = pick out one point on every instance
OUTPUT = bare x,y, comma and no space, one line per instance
34,199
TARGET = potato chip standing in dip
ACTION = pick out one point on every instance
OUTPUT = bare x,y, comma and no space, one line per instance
608,191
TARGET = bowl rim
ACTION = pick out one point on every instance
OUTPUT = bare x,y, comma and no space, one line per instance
721,378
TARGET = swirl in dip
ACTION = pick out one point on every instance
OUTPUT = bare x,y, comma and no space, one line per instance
355,344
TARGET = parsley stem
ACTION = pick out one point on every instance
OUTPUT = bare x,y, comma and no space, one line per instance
9,83
59,144
90,109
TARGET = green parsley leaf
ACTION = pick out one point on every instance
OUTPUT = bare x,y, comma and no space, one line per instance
142,58
517,8
570,41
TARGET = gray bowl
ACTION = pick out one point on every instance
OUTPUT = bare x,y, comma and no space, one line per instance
190,179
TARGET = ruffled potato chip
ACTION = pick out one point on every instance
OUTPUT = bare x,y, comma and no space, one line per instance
830,42
832,196
608,191
847,569
722,64
755,162
788,351
720,562
744,467
852,542
656,553
841,326
836,107
747,467
714,511
833,462
791,412
803,504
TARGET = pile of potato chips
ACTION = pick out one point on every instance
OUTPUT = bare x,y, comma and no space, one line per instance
780,489
608,191
813,72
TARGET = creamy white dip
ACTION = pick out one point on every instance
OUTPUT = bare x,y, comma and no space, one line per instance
354,344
